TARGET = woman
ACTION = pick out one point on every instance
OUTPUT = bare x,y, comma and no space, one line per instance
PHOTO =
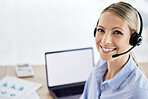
119,77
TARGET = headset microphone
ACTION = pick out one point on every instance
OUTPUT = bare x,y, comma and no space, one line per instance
116,55
137,44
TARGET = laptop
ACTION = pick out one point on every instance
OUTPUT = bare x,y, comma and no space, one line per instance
67,71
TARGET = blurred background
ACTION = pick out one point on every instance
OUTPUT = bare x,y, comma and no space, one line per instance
29,28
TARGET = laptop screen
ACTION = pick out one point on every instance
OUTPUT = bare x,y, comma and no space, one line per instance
69,66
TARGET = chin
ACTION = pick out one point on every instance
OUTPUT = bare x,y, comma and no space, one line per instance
106,58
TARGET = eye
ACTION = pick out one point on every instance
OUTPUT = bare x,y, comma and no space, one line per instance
100,30
118,33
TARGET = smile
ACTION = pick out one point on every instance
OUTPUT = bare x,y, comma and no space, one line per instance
107,50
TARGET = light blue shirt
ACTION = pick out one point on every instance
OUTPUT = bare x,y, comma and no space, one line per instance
128,83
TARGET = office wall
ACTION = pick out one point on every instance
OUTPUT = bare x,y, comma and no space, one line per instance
29,28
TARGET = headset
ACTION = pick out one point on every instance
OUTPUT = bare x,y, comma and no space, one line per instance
135,39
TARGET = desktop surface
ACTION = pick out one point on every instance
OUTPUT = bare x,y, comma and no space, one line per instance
39,77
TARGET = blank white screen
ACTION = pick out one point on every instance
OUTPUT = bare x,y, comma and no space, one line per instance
69,67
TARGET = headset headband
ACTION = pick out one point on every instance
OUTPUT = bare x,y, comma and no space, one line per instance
141,22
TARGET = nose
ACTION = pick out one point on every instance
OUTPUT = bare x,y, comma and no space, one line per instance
106,39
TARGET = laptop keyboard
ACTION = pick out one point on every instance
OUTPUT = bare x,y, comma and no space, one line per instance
69,91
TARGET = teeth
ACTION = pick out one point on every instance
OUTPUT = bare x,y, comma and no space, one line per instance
107,49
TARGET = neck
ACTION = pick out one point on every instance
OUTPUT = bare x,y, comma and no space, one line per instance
115,65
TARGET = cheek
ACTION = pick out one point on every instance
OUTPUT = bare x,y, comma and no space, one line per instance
126,40
97,41
123,43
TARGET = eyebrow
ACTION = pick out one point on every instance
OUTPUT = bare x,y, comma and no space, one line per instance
117,27
112,28
100,26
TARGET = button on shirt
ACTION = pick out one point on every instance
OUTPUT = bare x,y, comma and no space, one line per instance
128,83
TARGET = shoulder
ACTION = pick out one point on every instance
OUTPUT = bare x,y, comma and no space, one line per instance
90,88
141,93
138,84
139,79
99,68
92,84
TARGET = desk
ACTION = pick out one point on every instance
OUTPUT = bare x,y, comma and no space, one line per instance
40,77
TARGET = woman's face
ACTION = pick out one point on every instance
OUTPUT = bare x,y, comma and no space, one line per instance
112,36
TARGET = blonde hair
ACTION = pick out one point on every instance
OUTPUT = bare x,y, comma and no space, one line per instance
128,13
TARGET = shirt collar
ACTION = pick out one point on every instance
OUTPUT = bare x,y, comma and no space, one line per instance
100,70
121,76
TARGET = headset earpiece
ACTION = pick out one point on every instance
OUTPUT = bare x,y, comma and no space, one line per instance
135,39
95,30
